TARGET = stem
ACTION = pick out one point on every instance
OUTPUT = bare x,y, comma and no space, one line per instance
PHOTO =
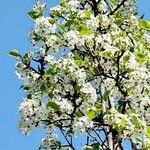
117,7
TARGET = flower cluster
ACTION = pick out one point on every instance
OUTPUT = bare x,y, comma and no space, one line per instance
50,142
32,112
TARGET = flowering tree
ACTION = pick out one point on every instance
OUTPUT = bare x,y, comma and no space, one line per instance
90,75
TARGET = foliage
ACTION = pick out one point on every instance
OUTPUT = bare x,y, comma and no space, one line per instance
92,75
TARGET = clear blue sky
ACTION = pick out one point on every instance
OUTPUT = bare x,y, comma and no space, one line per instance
14,28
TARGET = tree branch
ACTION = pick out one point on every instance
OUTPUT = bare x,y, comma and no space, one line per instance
117,7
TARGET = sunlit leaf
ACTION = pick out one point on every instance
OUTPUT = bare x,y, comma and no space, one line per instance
106,95
106,54
53,105
84,30
14,53
126,59
61,28
141,58
113,2
148,132
123,123
91,114
145,25
35,14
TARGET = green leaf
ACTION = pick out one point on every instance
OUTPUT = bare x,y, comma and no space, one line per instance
61,28
24,87
137,123
96,147
79,63
118,19
93,147
63,3
91,114
148,132
147,92
126,59
53,105
70,22
88,148
131,49
141,58
123,123
53,70
77,87
113,2
98,107
106,95
106,54
49,72
84,30
34,14
129,70
145,25
14,53
42,88
51,94
37,37
51,20
78,114
50,114
87,14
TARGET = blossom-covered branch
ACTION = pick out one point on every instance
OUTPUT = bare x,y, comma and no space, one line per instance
90,75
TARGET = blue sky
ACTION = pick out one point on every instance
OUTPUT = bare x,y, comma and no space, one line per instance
14,28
